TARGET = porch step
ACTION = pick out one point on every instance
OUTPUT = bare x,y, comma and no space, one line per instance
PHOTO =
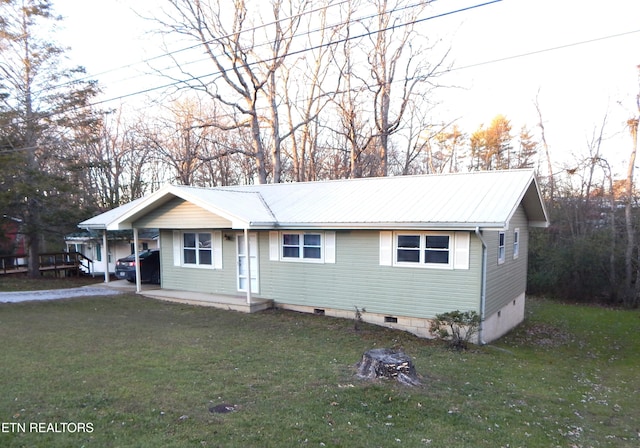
235,303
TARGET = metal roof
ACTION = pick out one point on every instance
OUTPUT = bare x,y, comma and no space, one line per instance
462,200
103,220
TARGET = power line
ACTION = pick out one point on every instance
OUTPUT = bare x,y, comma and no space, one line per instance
199,44
545,50
332,43
306,33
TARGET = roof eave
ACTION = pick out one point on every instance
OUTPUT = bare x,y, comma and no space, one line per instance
463,226
541,224
533,203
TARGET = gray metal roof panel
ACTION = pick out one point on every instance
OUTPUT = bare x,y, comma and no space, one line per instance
481,197
485,199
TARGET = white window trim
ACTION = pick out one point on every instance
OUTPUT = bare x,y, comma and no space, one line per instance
502,254
421,264
216,249
300,259
516,243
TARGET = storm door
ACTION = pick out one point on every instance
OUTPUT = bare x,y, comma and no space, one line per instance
242,262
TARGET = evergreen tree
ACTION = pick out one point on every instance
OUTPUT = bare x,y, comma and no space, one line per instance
44,116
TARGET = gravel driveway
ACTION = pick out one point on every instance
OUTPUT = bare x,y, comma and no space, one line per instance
53,294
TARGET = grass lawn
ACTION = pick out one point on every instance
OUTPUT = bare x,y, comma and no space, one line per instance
20,282
143,373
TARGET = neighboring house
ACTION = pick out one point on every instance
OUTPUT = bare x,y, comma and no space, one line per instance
12,240
91,244
401,248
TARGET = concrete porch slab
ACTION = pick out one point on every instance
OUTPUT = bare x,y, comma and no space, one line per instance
235,303
225,302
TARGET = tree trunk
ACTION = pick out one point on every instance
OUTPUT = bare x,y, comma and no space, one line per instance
33,267
387,363
630,293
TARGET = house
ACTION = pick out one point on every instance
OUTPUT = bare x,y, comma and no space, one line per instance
91,244
401,248
12,240
13,243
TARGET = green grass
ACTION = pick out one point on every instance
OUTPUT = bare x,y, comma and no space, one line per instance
144,373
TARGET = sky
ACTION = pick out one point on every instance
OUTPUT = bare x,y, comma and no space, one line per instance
579,59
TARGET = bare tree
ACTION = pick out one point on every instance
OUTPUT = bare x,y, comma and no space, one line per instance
180,140
527,150
392,56
306,91
245,69
119,161
449,142
547,153
631,296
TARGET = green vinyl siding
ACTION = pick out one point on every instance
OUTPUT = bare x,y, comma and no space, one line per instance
357,280
180,214
508,280
197,279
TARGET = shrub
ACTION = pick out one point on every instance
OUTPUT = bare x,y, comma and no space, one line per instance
358,318
457,327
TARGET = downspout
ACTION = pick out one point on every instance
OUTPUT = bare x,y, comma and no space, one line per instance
248,259
483,287
105,243
137,258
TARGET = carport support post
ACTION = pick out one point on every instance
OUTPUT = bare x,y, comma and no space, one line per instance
105,243
135,251
248,258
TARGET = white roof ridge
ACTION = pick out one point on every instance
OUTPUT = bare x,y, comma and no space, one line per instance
369,179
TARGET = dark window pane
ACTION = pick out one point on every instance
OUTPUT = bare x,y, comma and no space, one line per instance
291,252
501,238
436,256
204,239
437,242
190,256
189,240
311,252
205,257
291,239
312,240
411,256
408,241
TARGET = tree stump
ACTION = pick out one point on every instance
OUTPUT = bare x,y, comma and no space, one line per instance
387,363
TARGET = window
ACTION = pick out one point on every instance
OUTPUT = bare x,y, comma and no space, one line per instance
501,248
302,246
409,248
423,249
516,243
436,249
197,249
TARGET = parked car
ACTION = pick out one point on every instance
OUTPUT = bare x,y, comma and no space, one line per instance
149,267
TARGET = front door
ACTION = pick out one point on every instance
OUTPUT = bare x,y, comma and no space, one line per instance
242,262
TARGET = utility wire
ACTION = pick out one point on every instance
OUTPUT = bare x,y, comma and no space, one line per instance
479,64
545,50
202,77
246,30
332,43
